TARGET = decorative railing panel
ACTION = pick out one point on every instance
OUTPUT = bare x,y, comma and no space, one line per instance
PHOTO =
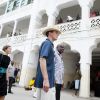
95,22
19,39
65,27
13,40
70,26
4,41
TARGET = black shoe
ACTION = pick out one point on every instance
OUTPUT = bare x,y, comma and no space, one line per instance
10,92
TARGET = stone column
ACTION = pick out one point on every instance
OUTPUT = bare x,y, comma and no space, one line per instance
85,17
51,20
27,70
1,29
52,17
85,63
85,80
85,5
15,27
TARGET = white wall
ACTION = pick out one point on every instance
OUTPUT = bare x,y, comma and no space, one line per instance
18,58
3,1
7,29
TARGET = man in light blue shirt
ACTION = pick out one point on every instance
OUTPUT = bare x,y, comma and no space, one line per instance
45,70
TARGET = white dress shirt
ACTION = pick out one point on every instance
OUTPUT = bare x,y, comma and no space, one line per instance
59,68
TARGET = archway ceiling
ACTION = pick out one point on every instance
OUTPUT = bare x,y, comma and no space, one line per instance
68,4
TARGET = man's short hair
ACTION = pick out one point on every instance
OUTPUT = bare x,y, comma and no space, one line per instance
60,46
47,33
5,47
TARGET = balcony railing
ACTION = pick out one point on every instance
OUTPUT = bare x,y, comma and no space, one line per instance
19,39
74,26
69,27
13,40
4,41
66,28
95,22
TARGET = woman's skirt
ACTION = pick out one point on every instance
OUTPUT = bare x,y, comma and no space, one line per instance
3,86
77,84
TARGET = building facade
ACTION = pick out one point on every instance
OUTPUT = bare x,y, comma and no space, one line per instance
21,25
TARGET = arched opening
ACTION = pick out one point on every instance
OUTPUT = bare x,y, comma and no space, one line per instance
69,12
71,59
95,72
17,57
7,30
22,26
43,20
95,11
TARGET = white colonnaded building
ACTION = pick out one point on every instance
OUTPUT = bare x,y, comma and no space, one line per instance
21,24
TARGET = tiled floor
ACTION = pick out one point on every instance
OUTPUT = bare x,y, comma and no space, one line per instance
21,94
